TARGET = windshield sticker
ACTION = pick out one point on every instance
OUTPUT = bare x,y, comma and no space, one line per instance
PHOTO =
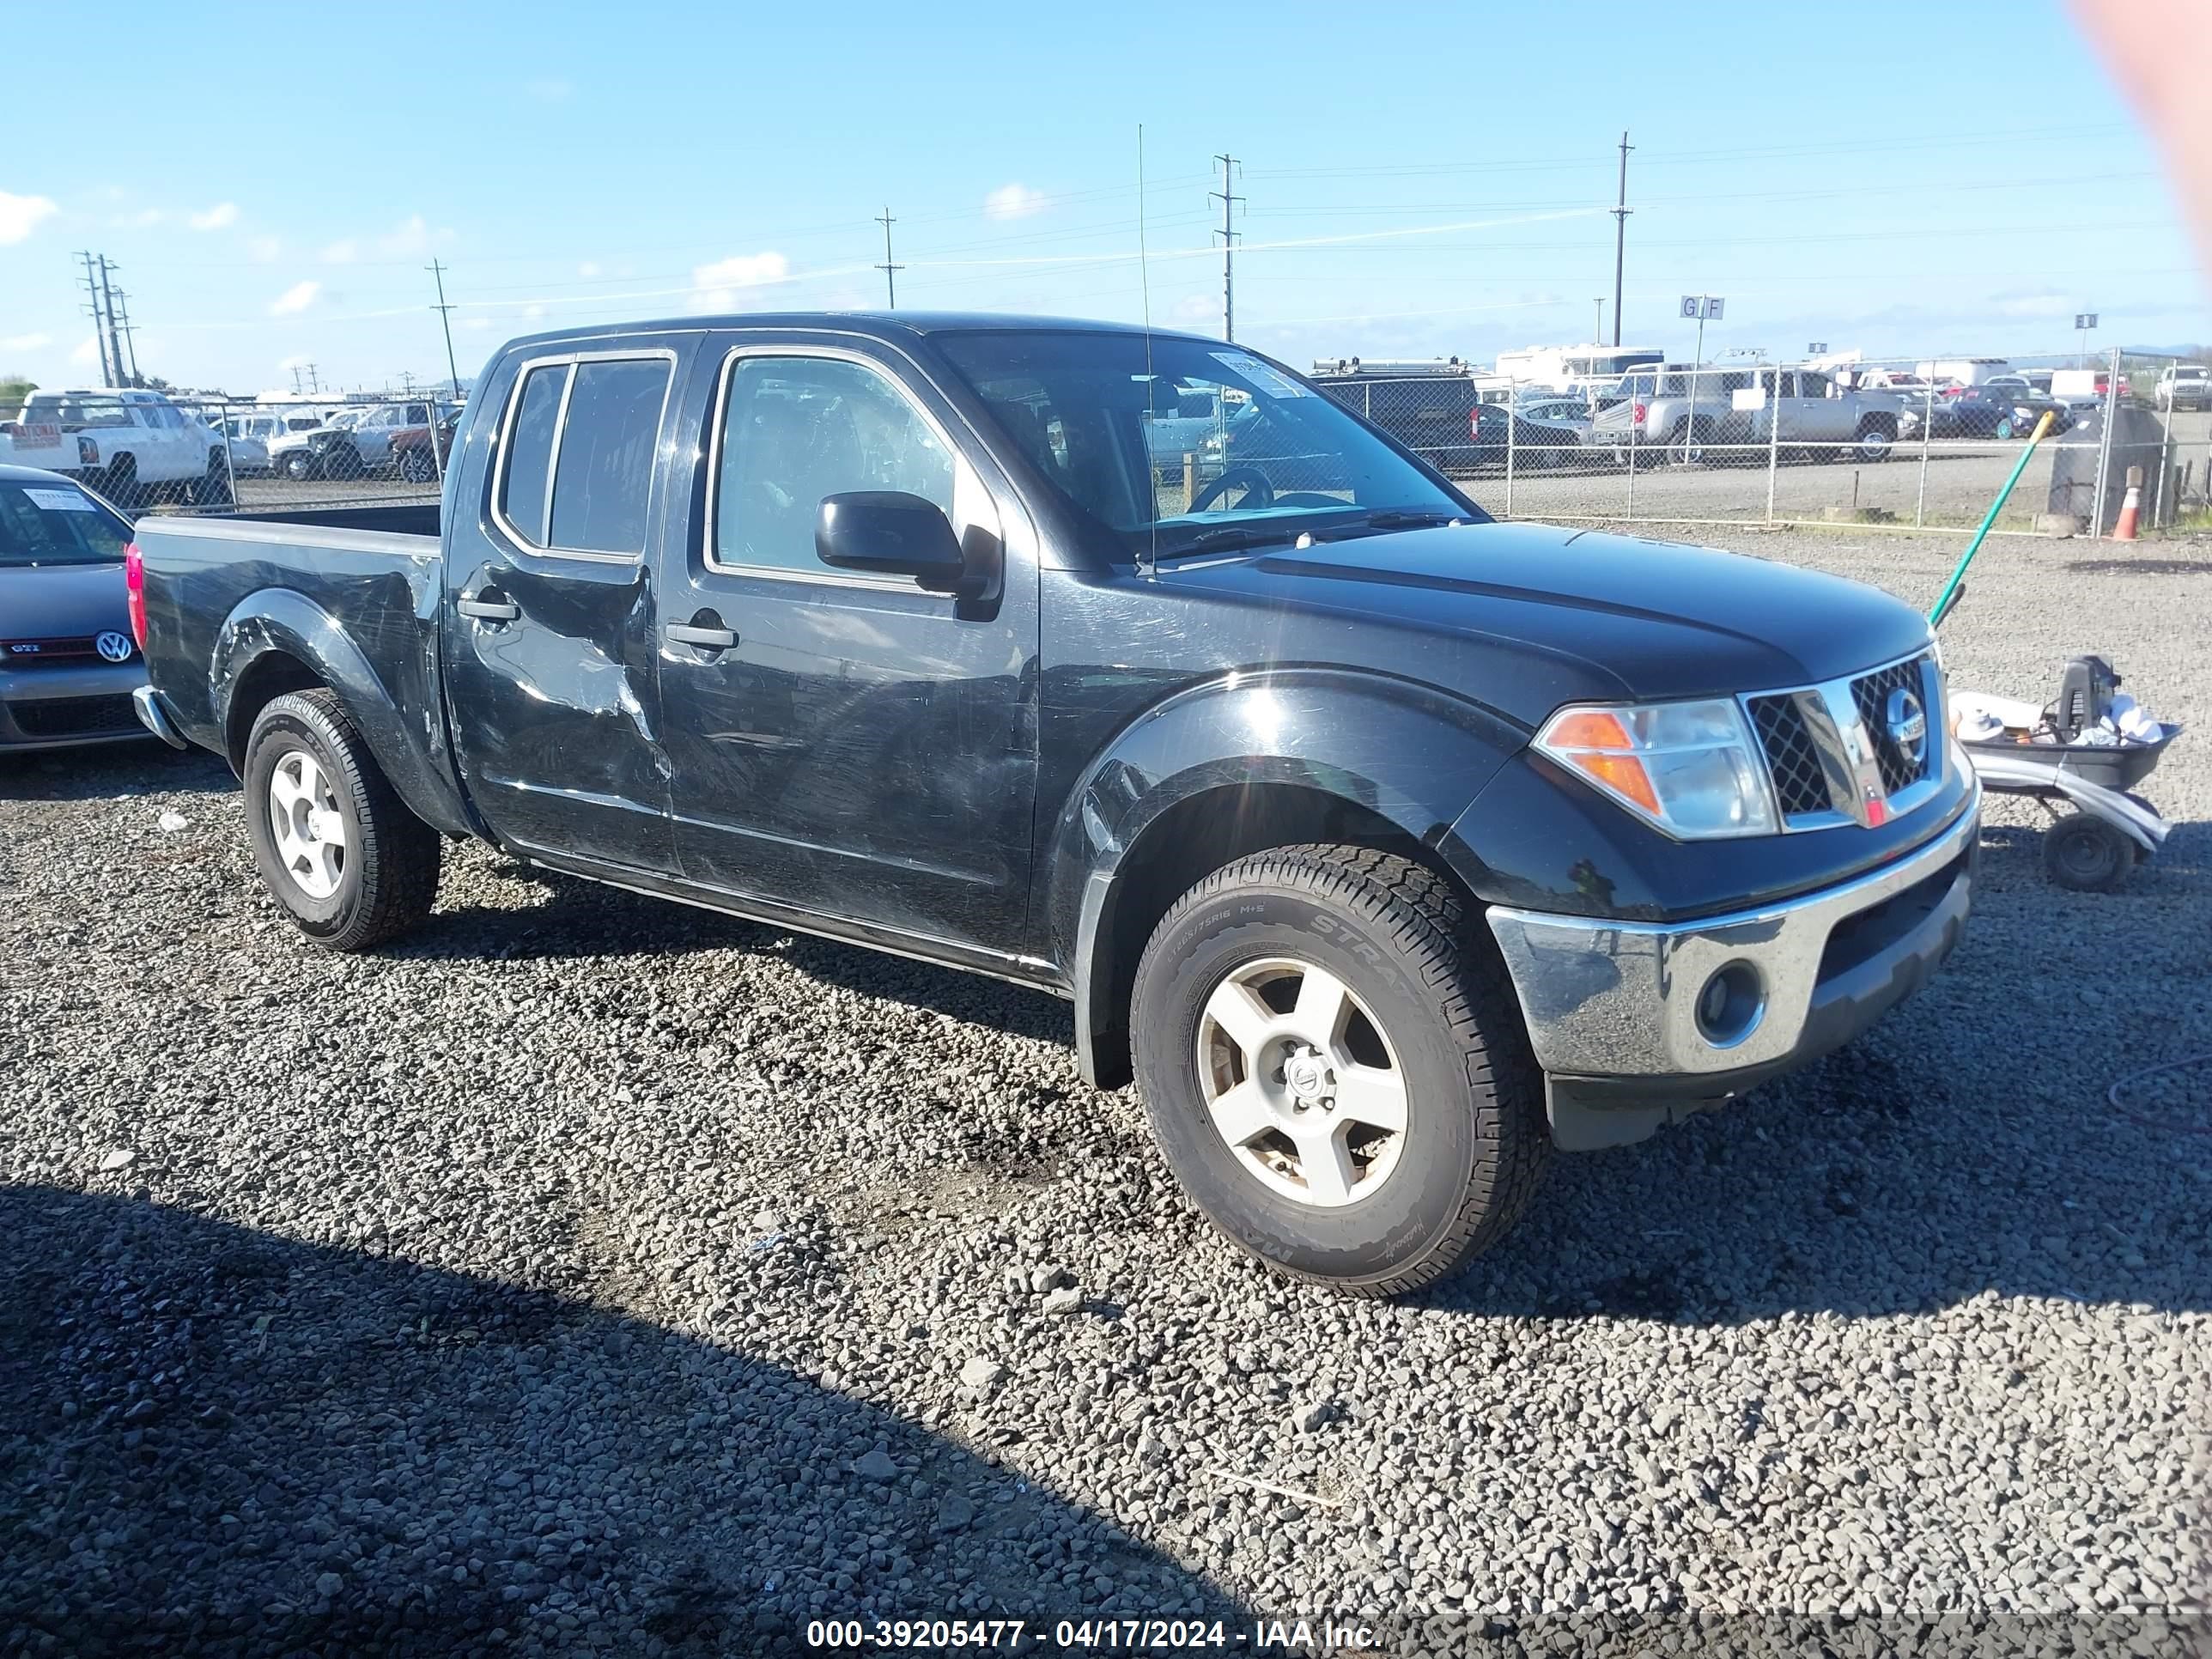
1263,378
60,500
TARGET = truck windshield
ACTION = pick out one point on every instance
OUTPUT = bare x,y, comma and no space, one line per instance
57,524
1167,445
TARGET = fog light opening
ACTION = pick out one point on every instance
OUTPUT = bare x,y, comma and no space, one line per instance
1730,1004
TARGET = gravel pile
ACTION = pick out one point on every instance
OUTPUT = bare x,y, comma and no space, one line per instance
593,1274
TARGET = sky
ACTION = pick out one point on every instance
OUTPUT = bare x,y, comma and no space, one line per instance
1421,179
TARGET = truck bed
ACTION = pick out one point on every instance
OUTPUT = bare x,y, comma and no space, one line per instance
348,597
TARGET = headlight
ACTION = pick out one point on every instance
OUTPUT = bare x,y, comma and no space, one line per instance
1692,769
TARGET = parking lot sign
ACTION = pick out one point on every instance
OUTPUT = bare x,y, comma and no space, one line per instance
1702,308
1814,348
2085,319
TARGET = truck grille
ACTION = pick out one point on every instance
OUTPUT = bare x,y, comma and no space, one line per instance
1800,785
1871,693
1794,739
74,717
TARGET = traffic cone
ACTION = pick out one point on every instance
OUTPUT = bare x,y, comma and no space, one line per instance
2124,530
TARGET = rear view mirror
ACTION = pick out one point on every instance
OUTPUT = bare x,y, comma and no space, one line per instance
889,532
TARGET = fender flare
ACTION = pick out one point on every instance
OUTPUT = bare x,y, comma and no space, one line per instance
277,620
1407,753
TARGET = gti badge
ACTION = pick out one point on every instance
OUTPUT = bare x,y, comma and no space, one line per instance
112,646
1908,727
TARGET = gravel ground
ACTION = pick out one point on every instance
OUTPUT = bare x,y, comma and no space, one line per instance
593,1274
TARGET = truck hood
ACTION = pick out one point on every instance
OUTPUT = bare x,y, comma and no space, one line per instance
1526,618
63,602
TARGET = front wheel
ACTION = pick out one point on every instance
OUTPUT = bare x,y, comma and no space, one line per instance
1336,1069
299,467
415,466
338,848
1874,441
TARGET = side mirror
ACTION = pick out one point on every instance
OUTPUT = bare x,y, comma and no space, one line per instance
889,532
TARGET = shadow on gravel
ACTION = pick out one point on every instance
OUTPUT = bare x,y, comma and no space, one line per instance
220,1442
1960,1148
111,770
583,920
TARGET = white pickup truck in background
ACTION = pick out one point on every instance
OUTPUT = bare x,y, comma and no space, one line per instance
125,443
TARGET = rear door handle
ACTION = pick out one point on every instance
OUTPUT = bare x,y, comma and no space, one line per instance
710,639
490,610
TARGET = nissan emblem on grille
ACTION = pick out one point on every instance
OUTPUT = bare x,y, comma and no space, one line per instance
1908,725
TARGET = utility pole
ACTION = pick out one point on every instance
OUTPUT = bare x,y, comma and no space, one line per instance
1620,234
890,271
108,376
1228,199
296,386
130,335
445,317
107,304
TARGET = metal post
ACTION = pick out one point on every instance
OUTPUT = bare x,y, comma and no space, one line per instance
1927,431
2104,445
1697,365
1773,433
229,461
1619,236
1513,393
1658,376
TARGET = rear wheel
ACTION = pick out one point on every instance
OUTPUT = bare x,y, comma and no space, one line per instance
338,848
1336,1069
120,483
342,460
214,487
1689,440
417,467
1874,440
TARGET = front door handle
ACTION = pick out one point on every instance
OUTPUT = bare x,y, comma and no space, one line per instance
488,610
708,638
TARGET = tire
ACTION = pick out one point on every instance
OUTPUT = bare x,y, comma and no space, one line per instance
384,875
2003,428
120,482
1688,440
1875,439
299,466
415,466
2088,855
214,487
1424,996
342,460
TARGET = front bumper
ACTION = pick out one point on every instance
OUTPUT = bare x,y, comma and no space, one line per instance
1618,1012
56,707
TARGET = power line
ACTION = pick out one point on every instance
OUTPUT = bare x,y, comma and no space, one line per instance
890,271
1228,199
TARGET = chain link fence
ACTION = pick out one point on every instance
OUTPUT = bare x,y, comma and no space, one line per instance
1911,443
152,452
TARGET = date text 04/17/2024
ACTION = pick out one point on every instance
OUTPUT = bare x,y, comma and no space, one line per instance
1294,1636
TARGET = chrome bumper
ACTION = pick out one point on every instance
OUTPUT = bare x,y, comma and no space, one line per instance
154,715
1629,1008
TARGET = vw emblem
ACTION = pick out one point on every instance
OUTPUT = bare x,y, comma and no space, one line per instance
113,647
1908,725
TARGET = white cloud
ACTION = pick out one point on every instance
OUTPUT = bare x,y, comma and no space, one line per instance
286,365
221,216
714,288
476,324
2036,305
21,215
549,89
342,252
144,219
86,350
588,270
532,312
25,341
264,249
294,300
1197,308
1015,201
413,236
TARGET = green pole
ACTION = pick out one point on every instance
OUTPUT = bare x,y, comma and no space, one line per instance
1935,615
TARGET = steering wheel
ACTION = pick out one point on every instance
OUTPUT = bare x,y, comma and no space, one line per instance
1258,492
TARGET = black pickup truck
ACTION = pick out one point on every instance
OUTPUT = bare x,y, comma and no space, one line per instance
1386,847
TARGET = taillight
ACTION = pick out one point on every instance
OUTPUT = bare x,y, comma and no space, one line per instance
1474,422
134,583
1636,413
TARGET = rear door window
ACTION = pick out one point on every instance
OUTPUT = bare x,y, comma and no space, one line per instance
603,479
526,468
